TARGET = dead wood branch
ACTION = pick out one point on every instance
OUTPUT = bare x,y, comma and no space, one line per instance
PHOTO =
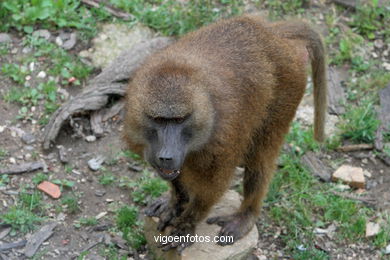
22,168
355,147
112,81
108,8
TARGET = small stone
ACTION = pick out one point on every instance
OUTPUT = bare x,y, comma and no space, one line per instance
367,174
387,250
95,163
41,75
100,193
69,44
62,154
28,77
365,161
386,65
372,229
53,190
5,38
59,41
241,249
29,148
12,160
28,138
43,33
90,138
31,66
353,176
378,43
26,50
109,200
2,128
101,214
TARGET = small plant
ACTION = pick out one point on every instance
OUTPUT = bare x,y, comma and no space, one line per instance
32,200
20,219
360,123
71,203
39,177
91,221
281,8
15,72
371,18
3,154
64,183
127,222
107,178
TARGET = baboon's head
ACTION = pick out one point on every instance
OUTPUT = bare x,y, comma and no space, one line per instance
170,113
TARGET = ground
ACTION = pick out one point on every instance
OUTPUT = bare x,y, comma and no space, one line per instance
99,213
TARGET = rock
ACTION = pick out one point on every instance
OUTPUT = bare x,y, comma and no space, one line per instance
59,41
100,193
239,250
387,250
41,75
353,176
28,138
53,190
90,138
95,163
62,154
5,38
43,33
372,229
336,95
113,39
71,42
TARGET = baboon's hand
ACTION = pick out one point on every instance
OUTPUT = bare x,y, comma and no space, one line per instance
236,226
162,209
183,231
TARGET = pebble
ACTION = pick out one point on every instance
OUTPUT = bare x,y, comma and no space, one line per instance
28,138
95,163
5,38
12,160
43,33
59,41
2,128
100,193
31,66
387,250
90,138
41,74
69,44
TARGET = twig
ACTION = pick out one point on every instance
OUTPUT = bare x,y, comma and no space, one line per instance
355,147
8,246
368,201
38,238
110,9
22,168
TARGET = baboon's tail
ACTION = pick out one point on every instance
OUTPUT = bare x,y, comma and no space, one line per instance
298,30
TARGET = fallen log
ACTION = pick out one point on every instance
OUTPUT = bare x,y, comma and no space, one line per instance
112,81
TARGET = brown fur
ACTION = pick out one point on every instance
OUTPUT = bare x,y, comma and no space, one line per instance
243,78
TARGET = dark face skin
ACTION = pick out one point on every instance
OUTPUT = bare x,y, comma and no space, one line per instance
168,143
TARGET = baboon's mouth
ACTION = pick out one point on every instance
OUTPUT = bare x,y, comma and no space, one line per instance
168,174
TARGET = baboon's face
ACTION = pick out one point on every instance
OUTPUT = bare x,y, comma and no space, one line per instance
168,142
171,115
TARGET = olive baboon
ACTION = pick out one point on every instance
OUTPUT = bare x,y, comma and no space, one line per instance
220,97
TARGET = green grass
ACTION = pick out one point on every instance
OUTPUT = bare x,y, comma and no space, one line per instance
144,188
176,18
25,15
127,222
20,219
71,203
371,18
107,178
279,8
360,122
299,203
